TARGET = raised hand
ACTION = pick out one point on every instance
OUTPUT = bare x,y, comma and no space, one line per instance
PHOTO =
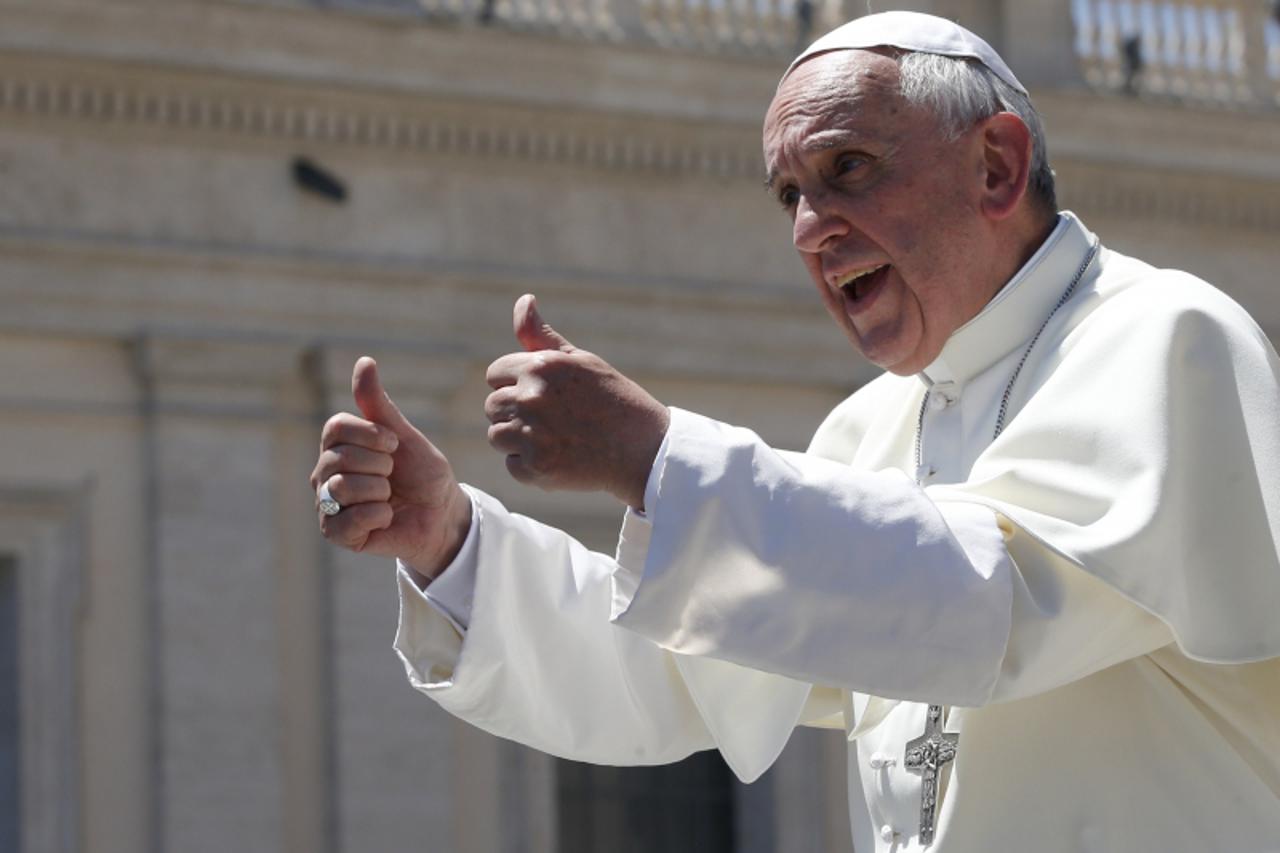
566,419
398,494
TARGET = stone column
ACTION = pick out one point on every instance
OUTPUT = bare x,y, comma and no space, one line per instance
43,531
223,692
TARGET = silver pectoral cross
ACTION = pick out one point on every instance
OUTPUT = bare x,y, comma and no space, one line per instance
925,757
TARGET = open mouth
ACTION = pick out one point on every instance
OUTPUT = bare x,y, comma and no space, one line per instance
860,286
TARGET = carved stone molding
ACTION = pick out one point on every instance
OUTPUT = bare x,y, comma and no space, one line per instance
1156,195
188,105
118,97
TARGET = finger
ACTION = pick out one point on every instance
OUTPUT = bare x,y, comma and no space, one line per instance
373,400
518,468
350,459
510,437
507,369
351,527
532,331
501,405
352,489
346,428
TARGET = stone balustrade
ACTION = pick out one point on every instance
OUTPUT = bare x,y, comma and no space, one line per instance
1224,52
1217,52
750,27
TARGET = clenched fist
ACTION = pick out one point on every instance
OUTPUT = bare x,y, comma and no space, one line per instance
398,494
566,419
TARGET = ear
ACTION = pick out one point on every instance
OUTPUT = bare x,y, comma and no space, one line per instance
1006,161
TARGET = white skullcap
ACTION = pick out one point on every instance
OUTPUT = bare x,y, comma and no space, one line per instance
910,31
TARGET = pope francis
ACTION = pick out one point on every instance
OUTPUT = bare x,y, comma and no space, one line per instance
1032,570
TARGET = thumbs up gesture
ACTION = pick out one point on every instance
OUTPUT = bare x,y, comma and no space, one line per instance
566,419
397,491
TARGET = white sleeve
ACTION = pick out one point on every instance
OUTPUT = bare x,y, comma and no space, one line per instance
541,663
793,564
453,590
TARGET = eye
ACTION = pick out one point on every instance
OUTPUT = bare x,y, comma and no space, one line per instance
788,197
847,163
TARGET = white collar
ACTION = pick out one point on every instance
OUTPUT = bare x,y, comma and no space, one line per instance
1013,315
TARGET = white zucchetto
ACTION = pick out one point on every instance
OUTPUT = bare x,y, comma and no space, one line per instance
911,31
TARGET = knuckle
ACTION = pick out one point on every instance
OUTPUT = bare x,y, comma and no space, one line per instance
554,364
332,429
530,396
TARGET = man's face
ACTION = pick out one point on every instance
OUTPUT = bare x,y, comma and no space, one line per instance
886,213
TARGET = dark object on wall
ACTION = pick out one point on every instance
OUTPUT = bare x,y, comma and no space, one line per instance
314,178
1131,49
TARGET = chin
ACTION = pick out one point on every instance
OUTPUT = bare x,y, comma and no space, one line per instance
885,358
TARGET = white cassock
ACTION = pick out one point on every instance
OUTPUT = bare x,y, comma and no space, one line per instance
1094,595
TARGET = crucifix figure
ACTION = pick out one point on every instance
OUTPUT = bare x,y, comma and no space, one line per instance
925,756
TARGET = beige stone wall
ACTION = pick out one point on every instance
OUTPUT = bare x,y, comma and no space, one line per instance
177,318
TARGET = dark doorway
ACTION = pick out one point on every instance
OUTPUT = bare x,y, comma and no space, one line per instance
679,808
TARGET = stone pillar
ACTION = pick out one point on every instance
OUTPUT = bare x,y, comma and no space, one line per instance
224,701
43,533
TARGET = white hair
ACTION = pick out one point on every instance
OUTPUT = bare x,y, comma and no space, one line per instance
962,92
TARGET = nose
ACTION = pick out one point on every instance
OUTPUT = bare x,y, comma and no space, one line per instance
817,224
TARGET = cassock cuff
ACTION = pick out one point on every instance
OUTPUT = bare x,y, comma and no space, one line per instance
427,641
633,539
453,590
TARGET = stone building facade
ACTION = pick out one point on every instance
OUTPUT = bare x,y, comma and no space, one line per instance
211,207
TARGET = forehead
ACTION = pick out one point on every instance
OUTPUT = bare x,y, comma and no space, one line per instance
834,95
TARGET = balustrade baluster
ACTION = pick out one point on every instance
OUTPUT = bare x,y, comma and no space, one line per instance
1148,31
1271,48
1215,51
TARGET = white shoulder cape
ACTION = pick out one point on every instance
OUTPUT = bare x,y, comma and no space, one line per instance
1143,445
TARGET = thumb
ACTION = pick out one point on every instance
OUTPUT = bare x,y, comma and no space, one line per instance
373,401
532,331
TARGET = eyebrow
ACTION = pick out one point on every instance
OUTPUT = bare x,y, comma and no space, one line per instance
824,141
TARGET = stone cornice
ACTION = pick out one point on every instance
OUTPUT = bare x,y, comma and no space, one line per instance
156,101
421,58
1113,156
1143,134
1157,195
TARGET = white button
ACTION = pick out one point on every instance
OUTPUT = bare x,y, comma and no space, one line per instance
943,394
887,833
879,761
